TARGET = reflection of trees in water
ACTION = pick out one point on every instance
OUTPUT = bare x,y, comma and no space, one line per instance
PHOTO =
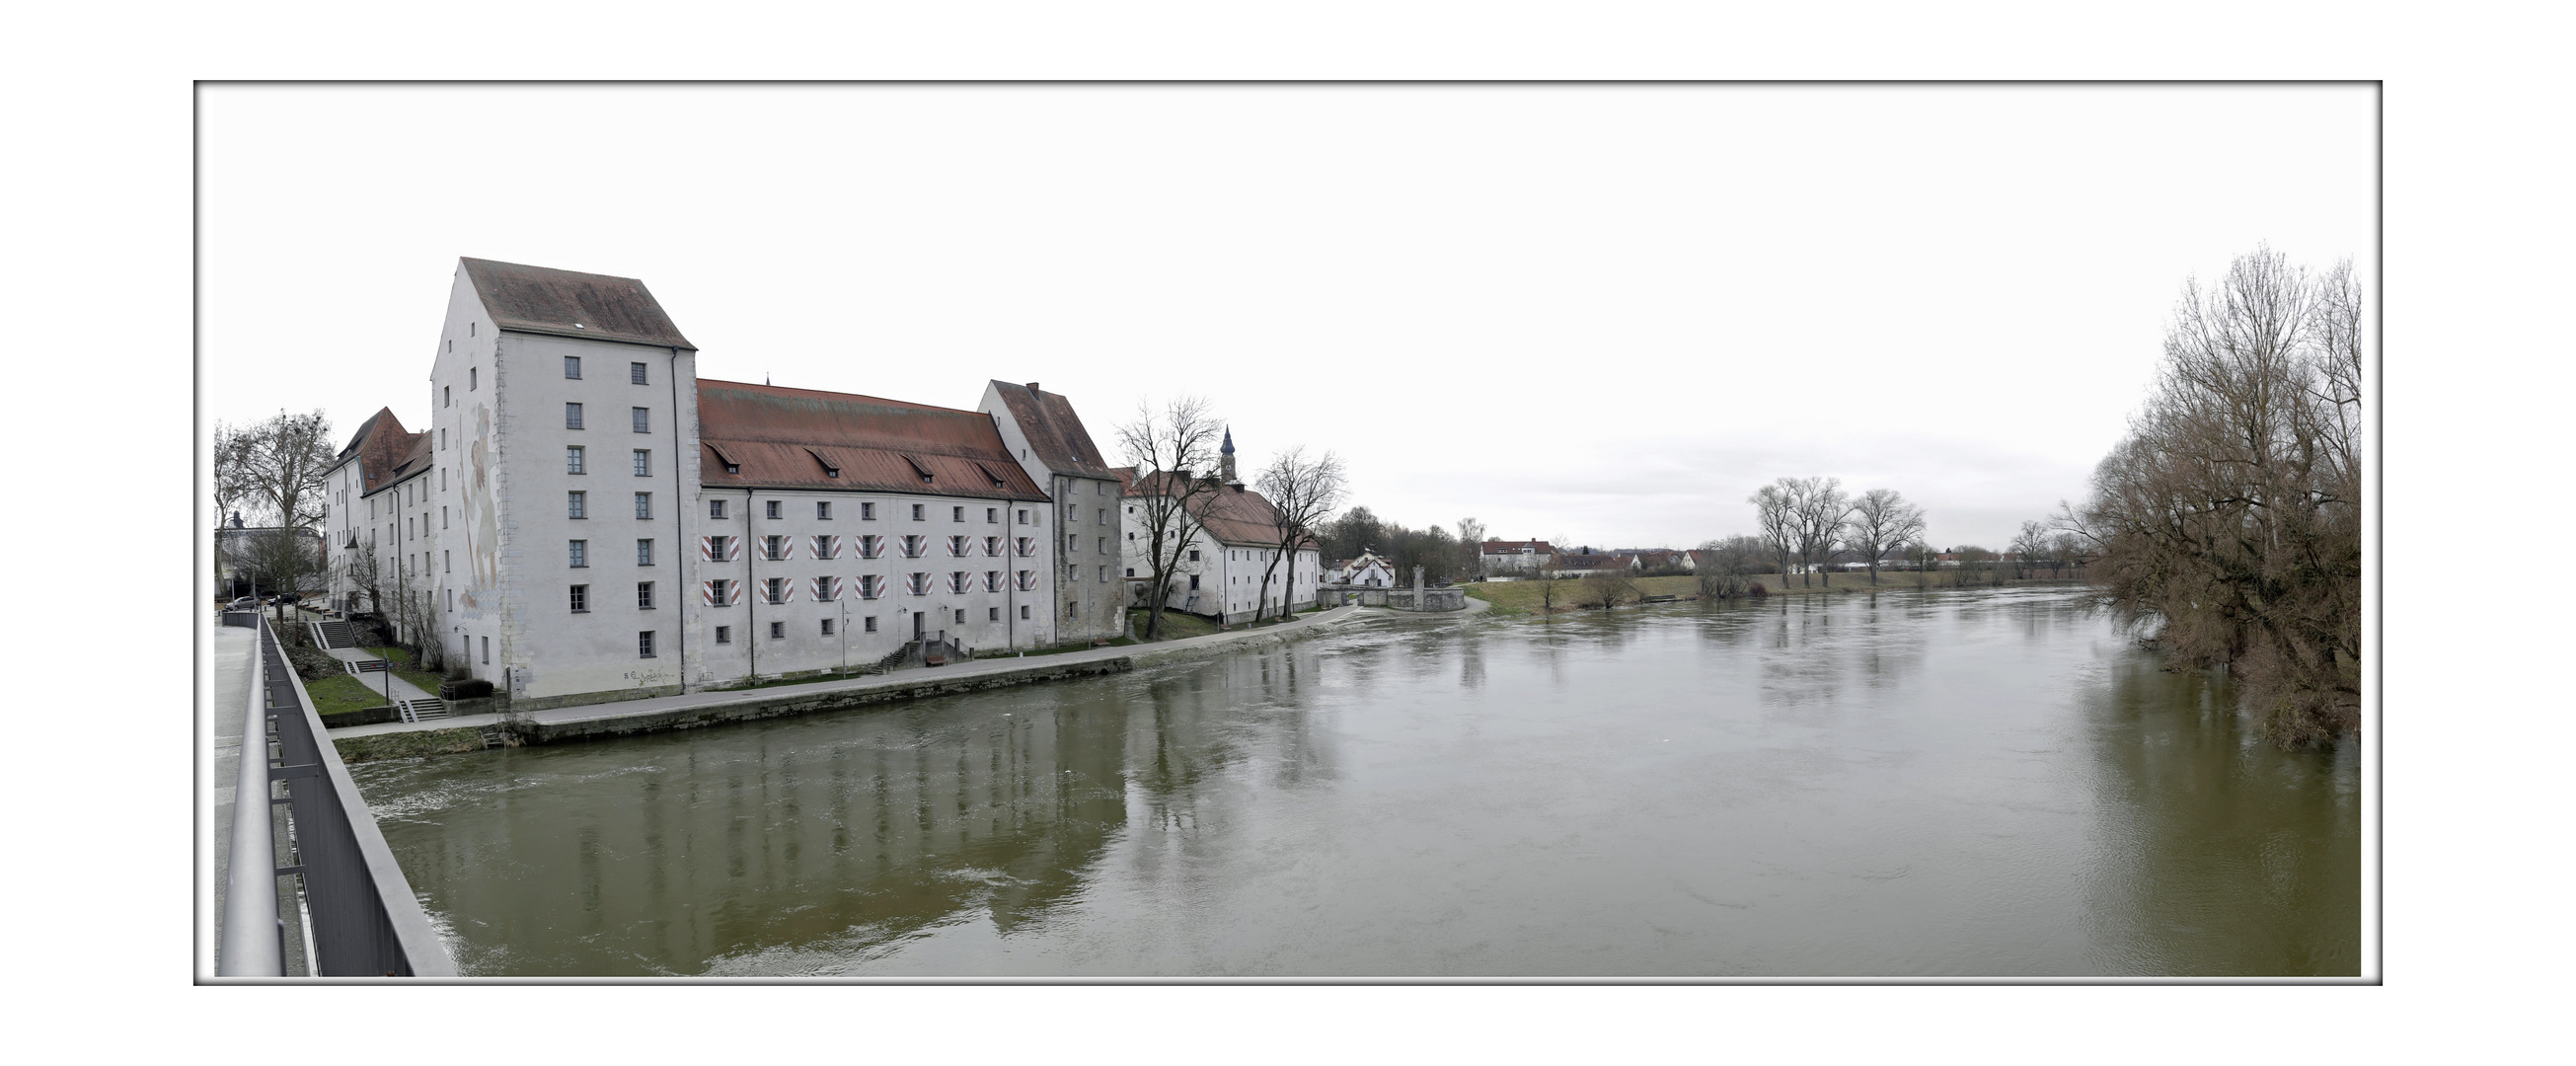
2222,854
1808,648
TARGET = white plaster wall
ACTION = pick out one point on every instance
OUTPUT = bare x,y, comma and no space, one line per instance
1090,567
992,618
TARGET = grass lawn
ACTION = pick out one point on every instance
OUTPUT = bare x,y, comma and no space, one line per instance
405,669
334,695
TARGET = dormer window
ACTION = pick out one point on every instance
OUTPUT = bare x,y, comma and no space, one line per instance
733,468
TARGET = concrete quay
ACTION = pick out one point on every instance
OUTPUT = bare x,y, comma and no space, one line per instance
715,707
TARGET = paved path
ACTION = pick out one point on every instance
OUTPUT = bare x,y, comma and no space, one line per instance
1141,654
402,690
232,701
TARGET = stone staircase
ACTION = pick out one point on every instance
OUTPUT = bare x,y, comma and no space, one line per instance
422,710
334,634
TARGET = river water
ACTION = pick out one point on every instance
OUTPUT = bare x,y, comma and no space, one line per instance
1980,783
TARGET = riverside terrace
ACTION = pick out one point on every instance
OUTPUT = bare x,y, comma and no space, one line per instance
698,709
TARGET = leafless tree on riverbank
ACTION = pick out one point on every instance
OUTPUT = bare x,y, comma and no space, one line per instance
2229,521
1306,491
1882,522
1775,510
1174,452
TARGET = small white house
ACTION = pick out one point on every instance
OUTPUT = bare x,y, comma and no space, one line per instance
1367,571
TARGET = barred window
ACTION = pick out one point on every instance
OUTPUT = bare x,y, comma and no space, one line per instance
644,644
635,373
576,505
572,416
580,598
643,505
724,634
572,459
644,553
869,623
643,419
572,366
643,462
777,629
715,508
644,595
823,510
579,553
777,509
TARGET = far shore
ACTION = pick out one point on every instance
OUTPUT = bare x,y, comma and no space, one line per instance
1521,597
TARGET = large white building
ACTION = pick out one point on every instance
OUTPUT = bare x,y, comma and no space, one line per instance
590,521
1232,546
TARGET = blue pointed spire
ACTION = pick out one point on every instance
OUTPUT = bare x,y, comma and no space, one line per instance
1229,442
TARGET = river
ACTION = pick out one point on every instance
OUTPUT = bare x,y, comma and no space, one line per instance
1950,783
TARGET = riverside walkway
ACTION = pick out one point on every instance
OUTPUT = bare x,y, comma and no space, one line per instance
690,710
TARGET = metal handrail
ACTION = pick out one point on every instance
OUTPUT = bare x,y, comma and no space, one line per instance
251,945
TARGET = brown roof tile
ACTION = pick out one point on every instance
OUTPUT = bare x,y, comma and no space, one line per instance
1055,433
533,299
787,438
386,451
1245,519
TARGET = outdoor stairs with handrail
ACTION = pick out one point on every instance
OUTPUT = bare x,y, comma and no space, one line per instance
421,710
334,634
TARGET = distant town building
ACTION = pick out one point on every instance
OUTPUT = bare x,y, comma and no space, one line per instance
1570,565
1513,558
1367,571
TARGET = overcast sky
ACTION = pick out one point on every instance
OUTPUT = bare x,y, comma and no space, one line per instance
1605,314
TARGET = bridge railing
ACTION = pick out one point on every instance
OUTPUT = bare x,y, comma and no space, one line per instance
365,920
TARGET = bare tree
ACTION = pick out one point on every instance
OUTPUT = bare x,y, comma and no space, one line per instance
1724,565
1881,523
1542,569
2028,547
275,467
1776,511
1471,548
1173,451
1608,588
1818,511
1306,492
364,570
2229,520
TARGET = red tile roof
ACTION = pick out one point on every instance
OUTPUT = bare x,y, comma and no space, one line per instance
789,438
1242,518
1055,433
386,451
566,303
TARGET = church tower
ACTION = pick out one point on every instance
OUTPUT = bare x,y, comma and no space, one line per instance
1226,464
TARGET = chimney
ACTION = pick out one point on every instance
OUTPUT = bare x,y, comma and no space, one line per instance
1033,386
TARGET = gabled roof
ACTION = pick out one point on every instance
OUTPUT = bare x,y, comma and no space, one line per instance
1518,547
386,452
1056,436
566,303
1593,562
789,438
1243,518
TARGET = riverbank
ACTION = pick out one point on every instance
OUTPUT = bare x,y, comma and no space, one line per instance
464,733
1522,597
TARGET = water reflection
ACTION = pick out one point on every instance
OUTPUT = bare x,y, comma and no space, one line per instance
1959,782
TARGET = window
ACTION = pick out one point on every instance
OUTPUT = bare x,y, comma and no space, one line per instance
823,510
446,561
992,515
487,651
1194,582
774,590
773,548
960,546
1072,609
575,505
1131,571
1024,516
1072,543
643,419
719,549
644,644
992,581
1024,612
635,373
1100,517
868,512
720,591
916,512
572,416
961,616
827,627
1104,574
1103,545
447,395
992,614
776,509
869,623
1194,556
573,459
572,366
643,595
580,599
644,553
472,379
871,587
643,505
724,634
956,514
580,553
643,462
715,508
777,630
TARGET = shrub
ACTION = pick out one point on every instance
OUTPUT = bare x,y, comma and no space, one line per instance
471,689
1757,591
314,664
